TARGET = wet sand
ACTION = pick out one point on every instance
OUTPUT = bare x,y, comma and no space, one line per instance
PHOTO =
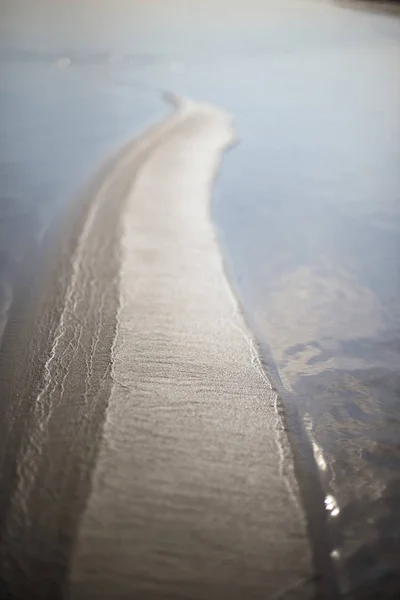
137,400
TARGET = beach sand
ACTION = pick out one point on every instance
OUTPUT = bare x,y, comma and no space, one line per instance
151,453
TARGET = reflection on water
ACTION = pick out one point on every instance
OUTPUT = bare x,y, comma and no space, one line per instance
307,208
332,323
311,311
316,266
336,342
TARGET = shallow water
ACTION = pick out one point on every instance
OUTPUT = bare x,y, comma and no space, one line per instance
307,205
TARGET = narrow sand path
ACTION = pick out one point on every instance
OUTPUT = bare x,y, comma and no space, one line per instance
192,495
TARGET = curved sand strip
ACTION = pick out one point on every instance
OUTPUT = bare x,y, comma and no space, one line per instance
189,498
192,495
